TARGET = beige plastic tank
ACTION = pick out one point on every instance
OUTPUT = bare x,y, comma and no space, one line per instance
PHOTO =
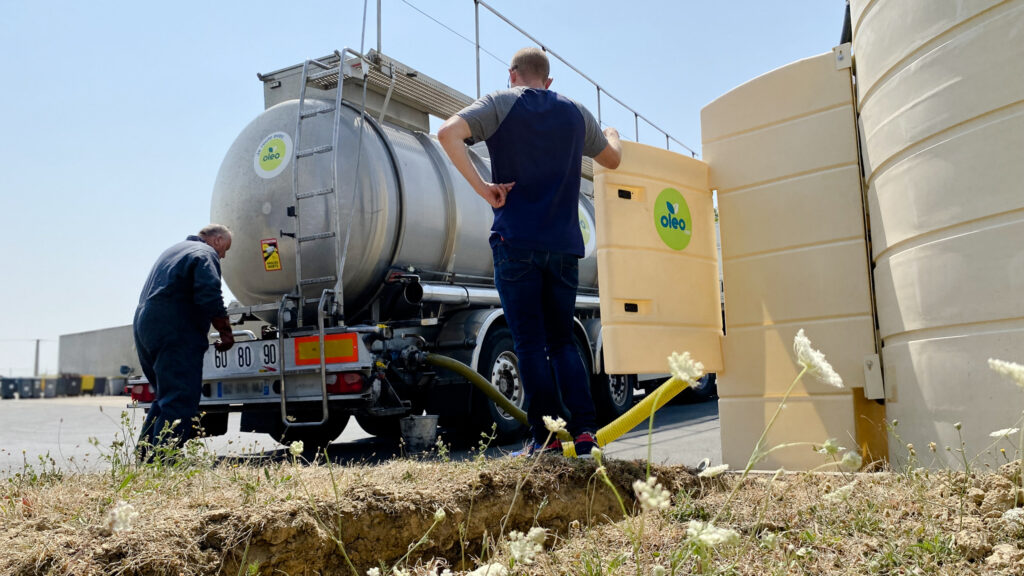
782,153
941,96
657,261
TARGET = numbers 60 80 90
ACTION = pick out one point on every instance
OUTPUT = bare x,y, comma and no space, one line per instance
243,356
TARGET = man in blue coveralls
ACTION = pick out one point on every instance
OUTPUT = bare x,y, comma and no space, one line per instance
536,139
180,300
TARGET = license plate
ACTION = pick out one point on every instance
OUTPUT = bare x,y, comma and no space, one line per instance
243,358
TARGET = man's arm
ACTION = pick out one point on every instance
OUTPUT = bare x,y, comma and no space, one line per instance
207,296
452,136
612,153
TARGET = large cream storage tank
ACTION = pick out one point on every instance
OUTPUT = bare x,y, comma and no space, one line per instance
940,87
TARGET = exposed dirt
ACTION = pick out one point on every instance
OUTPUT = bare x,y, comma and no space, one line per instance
299,525
294,519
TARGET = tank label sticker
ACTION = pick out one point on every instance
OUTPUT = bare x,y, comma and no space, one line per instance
672,219
273,155
271,256
587,229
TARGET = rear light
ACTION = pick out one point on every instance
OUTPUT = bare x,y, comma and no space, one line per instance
345,383
143,393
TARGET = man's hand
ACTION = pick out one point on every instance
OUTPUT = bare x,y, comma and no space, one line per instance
495,194
611,156
227,340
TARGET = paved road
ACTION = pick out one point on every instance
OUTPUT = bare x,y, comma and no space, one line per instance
61,429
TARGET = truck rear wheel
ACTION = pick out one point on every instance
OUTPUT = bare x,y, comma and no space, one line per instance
499,364
380,426
314,438
613,395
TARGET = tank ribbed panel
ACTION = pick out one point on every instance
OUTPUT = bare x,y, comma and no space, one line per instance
941,97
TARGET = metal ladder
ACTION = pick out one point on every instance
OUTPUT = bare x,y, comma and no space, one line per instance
328,76
309,154
327,297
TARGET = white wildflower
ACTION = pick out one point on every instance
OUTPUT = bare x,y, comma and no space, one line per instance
439,515
373,572
652,496
851,461
1004,432
831,447
121,517
814,361
523,548
841,494
537,535
769,540
713,471
489,570
1011,369
804,552
296,448
658,570
711,535
446,572
554,425
684,367
597,453
399,572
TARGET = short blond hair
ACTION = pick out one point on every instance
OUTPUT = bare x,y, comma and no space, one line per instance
532,63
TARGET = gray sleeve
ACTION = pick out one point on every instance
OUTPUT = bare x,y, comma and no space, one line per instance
486,114
594,141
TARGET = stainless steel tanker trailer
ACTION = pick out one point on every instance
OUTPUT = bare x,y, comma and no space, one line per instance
357,246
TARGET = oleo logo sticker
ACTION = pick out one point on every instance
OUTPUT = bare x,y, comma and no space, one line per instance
272,155
672,219
587,230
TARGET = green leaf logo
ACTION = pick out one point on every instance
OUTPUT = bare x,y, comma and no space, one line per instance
672,219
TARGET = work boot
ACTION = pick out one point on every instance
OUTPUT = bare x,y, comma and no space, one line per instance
538,449
584,443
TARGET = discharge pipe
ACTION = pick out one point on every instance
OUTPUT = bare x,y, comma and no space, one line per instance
417,292
611,431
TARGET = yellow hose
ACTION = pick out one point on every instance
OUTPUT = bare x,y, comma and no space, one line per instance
608,433
642,411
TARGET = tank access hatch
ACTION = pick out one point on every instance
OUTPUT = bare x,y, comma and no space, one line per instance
657,261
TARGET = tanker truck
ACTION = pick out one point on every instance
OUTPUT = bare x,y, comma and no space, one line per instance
357,248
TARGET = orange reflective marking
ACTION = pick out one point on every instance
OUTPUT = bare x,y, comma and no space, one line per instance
340,348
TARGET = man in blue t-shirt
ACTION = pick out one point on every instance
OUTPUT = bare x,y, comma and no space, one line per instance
537,139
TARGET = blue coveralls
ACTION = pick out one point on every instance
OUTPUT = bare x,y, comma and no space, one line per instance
181,296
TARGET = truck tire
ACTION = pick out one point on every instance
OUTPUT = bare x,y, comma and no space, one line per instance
213,424
380,426
314,438
498,363
613,395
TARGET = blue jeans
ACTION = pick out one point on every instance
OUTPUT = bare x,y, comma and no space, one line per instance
538,293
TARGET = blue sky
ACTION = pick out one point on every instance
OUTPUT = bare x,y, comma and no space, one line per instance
116,115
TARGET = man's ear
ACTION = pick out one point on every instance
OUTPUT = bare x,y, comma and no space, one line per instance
547,83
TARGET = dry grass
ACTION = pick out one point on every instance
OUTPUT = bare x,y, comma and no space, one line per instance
208,517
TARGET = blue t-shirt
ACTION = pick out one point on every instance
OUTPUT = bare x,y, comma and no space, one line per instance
537,139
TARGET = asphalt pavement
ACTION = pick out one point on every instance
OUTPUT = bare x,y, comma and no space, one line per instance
76,434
